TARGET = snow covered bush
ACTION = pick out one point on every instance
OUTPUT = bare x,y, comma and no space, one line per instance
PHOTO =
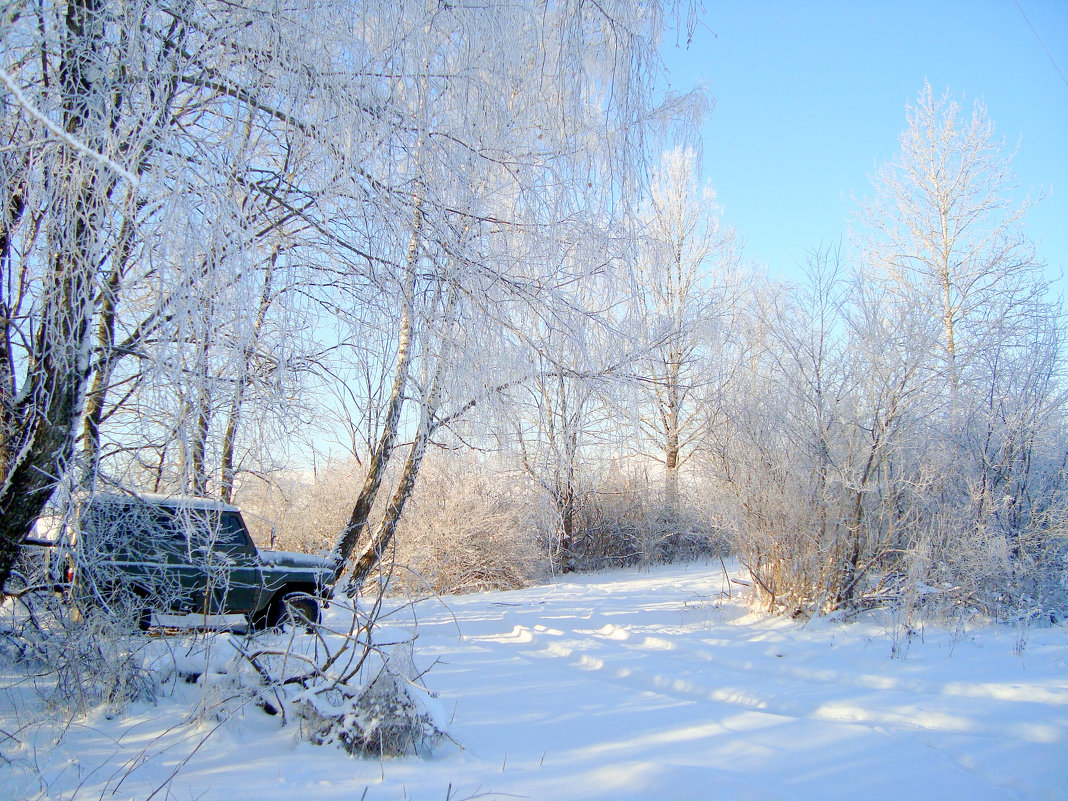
351,684
390,714
93,657
624,521
467,529
345,682
299,511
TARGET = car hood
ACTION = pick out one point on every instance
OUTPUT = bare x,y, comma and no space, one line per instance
294,559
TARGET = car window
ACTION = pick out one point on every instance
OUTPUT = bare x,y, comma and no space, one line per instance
163,524
128,529
232,532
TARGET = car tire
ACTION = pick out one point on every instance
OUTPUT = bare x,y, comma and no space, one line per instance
293,608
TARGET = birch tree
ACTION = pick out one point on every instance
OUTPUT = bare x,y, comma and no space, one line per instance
145,153
945,229
687,285
515,156
420,161
215,208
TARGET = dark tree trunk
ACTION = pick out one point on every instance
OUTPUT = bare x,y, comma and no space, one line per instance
39,429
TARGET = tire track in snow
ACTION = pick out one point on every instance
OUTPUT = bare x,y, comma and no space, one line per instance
994,691
577,651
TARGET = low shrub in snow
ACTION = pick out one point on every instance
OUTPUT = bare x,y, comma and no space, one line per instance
626,521
477,534
466,528
389,715
343,682
353,685
93,659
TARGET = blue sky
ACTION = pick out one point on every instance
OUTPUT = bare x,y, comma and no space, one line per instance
810,97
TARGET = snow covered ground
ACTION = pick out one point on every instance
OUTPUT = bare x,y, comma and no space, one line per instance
625,685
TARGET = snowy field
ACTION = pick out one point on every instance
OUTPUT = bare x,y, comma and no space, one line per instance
623,685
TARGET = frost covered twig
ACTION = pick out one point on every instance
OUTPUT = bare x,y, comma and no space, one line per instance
57,131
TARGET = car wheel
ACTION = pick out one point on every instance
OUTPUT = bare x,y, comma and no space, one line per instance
294,609
132,605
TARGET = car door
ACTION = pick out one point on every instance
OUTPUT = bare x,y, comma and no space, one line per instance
226,560
234,546
175,582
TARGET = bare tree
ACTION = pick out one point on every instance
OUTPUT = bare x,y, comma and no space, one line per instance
946,235
422,164
687,289
944,227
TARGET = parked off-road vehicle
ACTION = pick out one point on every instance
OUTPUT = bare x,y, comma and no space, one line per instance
153,554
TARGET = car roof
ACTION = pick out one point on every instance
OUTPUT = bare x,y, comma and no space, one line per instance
169,501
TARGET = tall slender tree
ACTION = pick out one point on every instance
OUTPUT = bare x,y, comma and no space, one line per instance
687,286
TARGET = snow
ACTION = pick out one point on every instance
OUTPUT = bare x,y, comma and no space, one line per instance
647,684
295,559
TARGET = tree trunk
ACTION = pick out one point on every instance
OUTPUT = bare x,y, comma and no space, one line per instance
670,416
15,205
384,534
105,342
241,383
380,456
198,447
383,537
36,441
948,323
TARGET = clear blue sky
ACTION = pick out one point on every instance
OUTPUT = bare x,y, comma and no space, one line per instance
810,97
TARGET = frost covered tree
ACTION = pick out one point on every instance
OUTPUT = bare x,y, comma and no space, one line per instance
157,160
178,357
922,433
88,92
518,131
946,232
687,286
948,240
206,204
558,415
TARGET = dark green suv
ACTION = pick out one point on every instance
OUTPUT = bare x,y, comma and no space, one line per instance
157,554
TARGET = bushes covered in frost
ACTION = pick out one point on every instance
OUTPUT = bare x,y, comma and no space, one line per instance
467,528
93,659
389,713
626,522
344,682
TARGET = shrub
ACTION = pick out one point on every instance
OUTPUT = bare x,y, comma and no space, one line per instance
468,529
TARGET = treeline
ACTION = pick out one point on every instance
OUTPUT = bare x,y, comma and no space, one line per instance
888,431
237,239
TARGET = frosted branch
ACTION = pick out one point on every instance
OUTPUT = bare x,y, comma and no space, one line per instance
64,136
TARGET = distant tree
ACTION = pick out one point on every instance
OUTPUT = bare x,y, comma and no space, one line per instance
687,285
946,232
919,403
947,238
